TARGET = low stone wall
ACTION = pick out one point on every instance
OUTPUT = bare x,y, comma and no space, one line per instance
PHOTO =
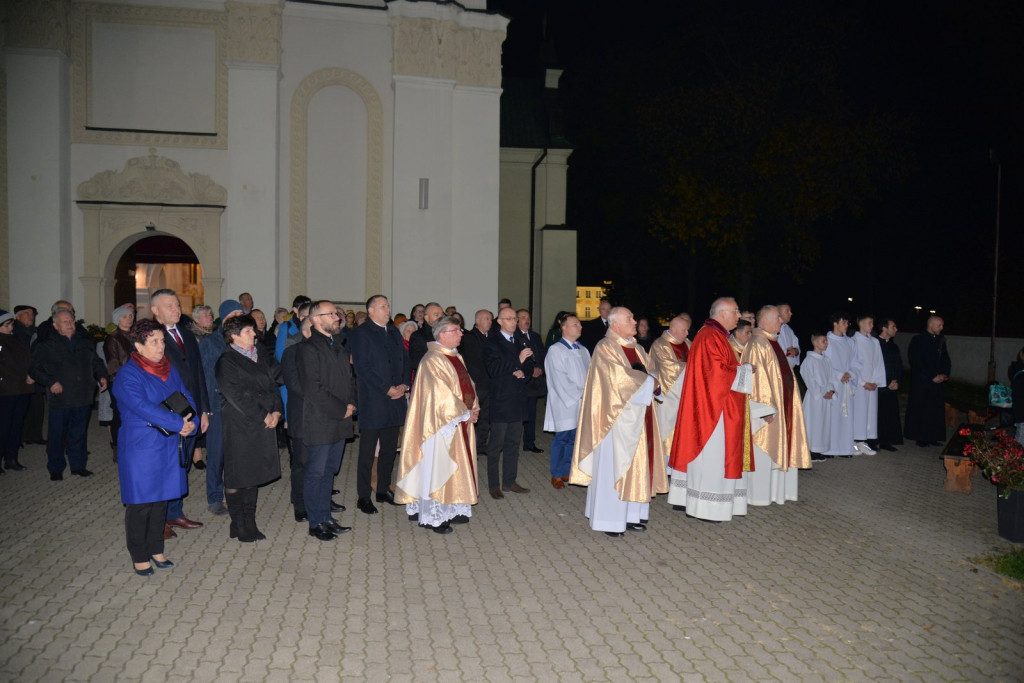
970,356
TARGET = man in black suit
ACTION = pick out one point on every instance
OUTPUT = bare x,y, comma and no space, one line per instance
535,387
423,336
382,372
472,350
509,364
182,349
594,330
328,402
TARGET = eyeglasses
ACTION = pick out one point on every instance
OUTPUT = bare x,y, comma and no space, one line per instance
332,315
452,331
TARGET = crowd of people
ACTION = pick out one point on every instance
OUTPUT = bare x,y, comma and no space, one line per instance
718,422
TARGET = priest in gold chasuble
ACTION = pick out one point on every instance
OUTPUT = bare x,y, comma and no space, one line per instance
780,447
436,471
618,452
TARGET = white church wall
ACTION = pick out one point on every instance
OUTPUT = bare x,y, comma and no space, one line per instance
37,182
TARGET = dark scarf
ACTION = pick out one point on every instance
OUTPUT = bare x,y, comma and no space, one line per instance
161,368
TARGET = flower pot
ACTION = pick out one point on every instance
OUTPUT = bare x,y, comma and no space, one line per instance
1010,514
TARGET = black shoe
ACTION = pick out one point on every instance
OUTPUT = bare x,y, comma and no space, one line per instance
613,534
414,518
81,473
199,465
321,532
533,449
636,527
386,497
335,492
56,476
301,516
17,467
923,444
887,447
644,521
445,528
679,508
366,505
336,528
337,507
460,519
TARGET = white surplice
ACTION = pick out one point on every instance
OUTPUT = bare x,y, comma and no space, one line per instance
816,372
840,353
603,508
566,370
869,367
788,338
430,474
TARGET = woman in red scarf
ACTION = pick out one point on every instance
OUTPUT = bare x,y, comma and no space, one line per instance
148,465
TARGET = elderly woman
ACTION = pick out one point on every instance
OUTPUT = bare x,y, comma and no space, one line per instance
202,321
247,378
117,350
148,467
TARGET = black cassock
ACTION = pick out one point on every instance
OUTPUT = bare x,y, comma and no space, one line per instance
890,430
926,404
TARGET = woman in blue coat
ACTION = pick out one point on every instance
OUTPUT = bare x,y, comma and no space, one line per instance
148,462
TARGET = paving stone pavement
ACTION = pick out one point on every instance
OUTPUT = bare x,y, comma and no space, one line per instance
865,578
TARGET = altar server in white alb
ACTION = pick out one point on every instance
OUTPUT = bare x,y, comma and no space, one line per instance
869,368
840,353
565,365
780,447
819,401
669,354
618,452
788,340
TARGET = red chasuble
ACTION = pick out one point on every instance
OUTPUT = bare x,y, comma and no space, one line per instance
706,398
681,350
468,397
788,382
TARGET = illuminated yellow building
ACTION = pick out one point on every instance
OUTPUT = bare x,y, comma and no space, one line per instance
587,300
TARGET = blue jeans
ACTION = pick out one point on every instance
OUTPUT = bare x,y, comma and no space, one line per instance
69,423
561,452
215,459
321,463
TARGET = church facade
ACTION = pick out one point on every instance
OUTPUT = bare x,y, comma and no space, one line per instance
330,149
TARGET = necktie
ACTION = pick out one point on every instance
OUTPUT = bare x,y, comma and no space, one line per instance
575,346
177,339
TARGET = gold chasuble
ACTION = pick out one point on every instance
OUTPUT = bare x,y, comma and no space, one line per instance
438,400
611,383
668,361
785,439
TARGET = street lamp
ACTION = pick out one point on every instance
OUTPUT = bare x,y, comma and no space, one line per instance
995,269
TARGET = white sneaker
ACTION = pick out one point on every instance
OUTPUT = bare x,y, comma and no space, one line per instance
864,448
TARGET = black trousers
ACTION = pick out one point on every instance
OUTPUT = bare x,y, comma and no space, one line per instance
144,529
530,423
483,424
504,441
297,464
890,431
115,423
368,438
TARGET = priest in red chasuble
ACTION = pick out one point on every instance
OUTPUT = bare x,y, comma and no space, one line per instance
618,452
712,445
436,472
780,447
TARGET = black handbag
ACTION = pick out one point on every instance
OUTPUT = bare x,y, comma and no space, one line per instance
178,404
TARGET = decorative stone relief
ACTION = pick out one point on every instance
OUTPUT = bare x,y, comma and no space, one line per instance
82,17
254,33
153,179
445,49
304,93
38,24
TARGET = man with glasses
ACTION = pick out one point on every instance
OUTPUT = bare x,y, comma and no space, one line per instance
510,365
437,471
710,450
382,371
328,402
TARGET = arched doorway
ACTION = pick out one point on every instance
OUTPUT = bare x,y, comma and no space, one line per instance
157,262
151,197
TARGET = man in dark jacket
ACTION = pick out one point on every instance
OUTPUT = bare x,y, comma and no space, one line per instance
890,431
182,349
423,336
472,350
67,365
381,366
509,365
536,382
328,401
293,411
929,372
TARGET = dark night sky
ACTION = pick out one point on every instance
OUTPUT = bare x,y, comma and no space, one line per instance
941,81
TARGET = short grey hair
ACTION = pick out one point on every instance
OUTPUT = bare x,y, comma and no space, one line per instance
443,322
765,310
720,303
54,309
162,292
615,314
202,309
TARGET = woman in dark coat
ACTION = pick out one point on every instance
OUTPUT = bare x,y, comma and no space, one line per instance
148,467
117,350
247,379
